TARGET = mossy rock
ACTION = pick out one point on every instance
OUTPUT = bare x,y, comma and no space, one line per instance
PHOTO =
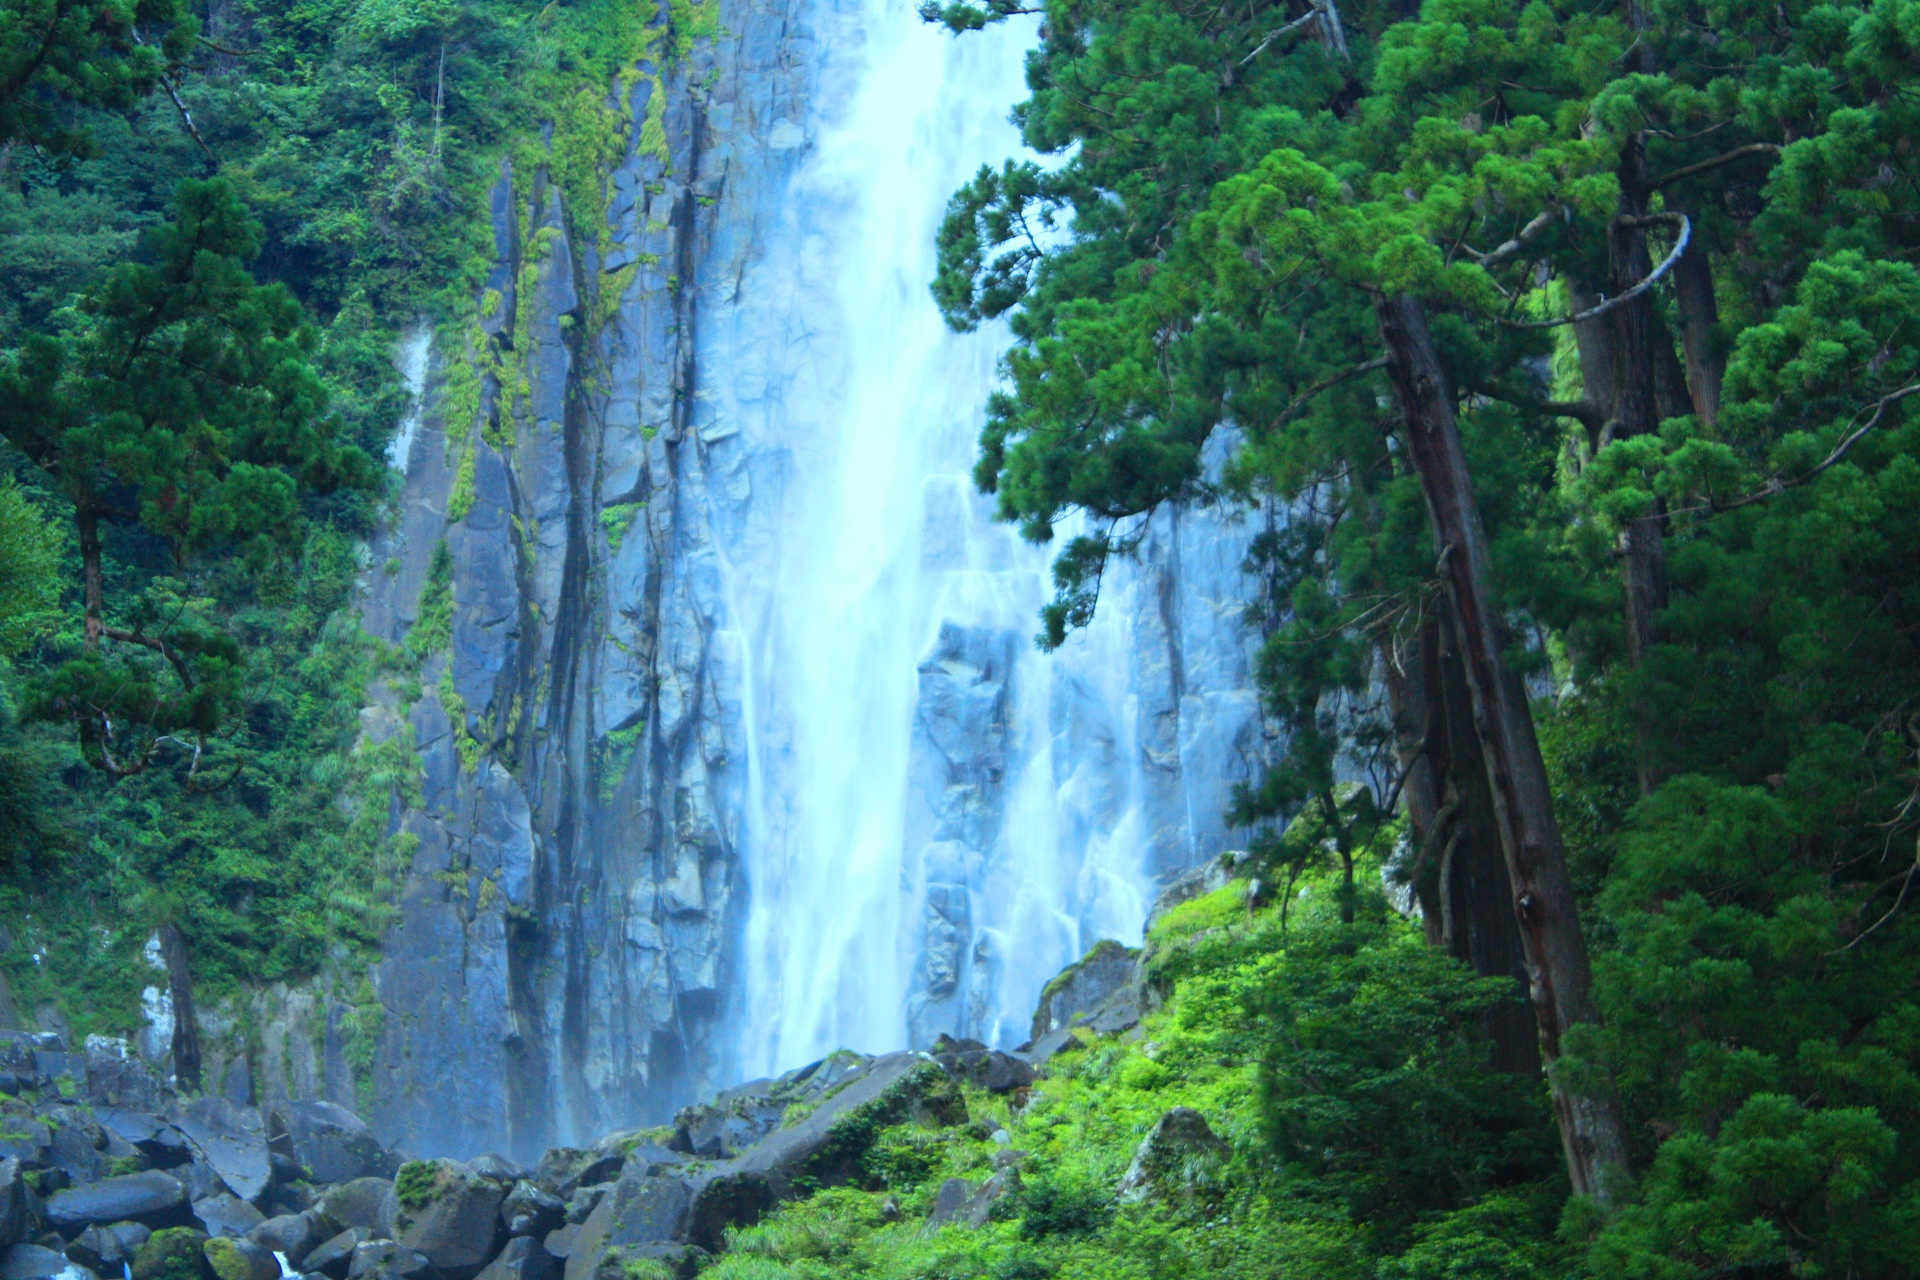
418,1184
175,1253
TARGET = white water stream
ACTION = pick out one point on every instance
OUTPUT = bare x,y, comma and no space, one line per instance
884,541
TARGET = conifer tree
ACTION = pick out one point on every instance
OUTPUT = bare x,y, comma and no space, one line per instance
182,404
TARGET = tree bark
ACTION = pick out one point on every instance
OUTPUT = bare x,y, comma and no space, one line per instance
92,589
1560,980
1700,318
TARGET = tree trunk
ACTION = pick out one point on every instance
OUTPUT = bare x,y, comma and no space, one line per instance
1700,318
92,590
1560,981
1635,411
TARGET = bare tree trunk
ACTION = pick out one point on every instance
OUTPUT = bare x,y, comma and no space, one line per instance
1560,980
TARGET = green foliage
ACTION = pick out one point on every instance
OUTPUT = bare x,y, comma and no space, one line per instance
417,1184
1226,191
29,567
1410,1158
58,55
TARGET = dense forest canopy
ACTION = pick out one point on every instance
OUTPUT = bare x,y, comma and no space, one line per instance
1580,344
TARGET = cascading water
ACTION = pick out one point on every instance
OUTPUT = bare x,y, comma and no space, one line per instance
938,817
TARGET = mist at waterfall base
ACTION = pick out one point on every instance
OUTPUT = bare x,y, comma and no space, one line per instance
939,817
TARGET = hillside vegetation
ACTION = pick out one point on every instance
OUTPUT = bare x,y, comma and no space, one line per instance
1581,345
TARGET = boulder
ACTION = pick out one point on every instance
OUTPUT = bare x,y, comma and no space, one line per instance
230,1138
498,1168
151,1136
582,1203
564,1170
99,1250
641,1210
1076,995
447,1213
652,1159
1180,1159
226,1214
385,1260
961,1203
290,1234
19,1207
981,1067
23,1135
233,1259
529,1211
332,1143
75,1148
175,1253
334,1255
364,1202
118,1077
31,1262
559,1241
154,1198
131,1236
823,1149
524,1258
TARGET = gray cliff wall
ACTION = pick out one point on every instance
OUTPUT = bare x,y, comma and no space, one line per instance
601,507
559,960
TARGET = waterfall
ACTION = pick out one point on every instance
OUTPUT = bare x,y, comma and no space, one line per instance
938,817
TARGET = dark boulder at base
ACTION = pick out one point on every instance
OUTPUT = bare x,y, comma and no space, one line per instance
99,1250
240,1260
529,1211
1075,998
981,1067
564,1170
524,1258
330,1142
154,1198
176,1253
75,1149
385,1260
448,1213
231,1138
498,1168
31,1262
291,1234
641,1210
151,1136
19,1208
226,1214
1180,1158
117,1077
364,1202
333,1256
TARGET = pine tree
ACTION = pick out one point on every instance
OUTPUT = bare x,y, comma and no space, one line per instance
181,403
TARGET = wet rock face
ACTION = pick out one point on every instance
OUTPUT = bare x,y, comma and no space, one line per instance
560,960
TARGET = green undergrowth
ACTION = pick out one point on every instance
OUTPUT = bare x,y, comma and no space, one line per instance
1344,1065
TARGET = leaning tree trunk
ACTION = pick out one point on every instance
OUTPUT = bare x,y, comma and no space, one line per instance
1560,981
